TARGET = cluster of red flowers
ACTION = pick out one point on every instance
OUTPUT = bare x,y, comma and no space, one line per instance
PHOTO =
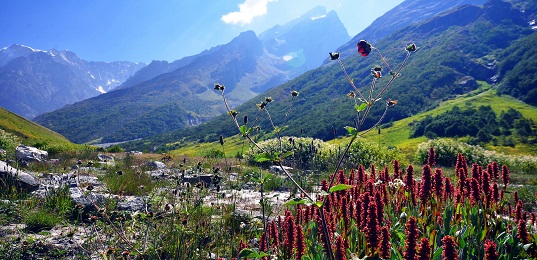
362,208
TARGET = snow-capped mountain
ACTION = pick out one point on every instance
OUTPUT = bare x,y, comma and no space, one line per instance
33,81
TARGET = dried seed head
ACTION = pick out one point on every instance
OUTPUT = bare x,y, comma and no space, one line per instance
334,55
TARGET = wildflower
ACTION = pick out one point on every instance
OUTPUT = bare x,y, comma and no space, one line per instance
505,176
364,48
485,185
300,242
289,235
351,94
490,250
411,47
411,230
263,246
425,191
424,252
221,140
385,243
438,181
391,103
268,99
274,234
126,253
449,251
294,93
233,113
396,169
119,173
110,250
334,55
474,190
219,87
522,232
340,249
262,105
376,72
431,157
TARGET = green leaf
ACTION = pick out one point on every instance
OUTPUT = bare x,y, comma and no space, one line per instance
351,130
319,204
296,201
250,253
264,157
242,129
361,107
287,154
340,187
247,252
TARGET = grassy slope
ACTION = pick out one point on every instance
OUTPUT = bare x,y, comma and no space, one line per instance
29,132
398,134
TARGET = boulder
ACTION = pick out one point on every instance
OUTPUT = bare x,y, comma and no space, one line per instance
21,179
156,164
105,158
30,154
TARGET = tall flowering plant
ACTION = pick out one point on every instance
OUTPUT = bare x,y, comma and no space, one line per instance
364,100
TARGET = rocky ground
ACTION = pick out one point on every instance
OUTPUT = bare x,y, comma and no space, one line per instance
69,240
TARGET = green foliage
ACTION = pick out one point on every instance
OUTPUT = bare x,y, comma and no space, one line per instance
306,152
125,179
480,123
215,153
8,143
40,219
456,48
518,69
368,153
447,150
115,149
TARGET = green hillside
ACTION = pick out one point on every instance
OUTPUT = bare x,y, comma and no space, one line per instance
399,133
30,133
456,49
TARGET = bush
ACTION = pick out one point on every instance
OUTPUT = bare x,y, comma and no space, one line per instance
8,142
368,153
447,150
308,152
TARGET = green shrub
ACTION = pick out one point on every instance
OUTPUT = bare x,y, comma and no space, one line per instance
446,153
8,142
368,153
307,152
40,219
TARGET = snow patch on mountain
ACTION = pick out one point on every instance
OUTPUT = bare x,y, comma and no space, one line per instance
318,17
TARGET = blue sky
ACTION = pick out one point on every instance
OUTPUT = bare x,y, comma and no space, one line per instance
143,30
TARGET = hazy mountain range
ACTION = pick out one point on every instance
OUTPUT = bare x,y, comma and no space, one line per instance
460,49
462,43
33,81
166,96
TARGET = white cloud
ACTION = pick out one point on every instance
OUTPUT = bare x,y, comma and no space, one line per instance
247,12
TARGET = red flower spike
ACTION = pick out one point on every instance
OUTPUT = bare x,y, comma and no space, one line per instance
438,181
425,191
300,244
364,48
431,157
397,170
505,176
424,252
449,251
340,249
490,250
385,244
411,230
522,232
